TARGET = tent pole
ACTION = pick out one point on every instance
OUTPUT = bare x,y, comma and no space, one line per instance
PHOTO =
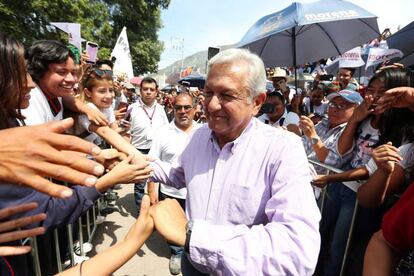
294,57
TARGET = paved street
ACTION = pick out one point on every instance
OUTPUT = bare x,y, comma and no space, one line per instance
152,259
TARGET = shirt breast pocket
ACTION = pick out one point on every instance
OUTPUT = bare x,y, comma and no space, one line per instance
246,205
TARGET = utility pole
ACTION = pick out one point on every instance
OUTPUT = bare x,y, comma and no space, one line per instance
178,44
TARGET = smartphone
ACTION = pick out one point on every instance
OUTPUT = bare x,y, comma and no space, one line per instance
267,108
92,51
128,114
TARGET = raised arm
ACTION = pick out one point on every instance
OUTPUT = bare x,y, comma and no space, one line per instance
113,258
346,140
94,115
118,142
385,180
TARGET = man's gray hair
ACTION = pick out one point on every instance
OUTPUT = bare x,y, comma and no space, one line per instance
256,80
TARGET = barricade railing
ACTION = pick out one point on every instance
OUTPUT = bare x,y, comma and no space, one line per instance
330,169
84,221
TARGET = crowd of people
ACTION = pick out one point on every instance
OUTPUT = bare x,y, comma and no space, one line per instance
221,172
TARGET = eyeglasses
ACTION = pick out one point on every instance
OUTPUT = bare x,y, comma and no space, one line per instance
180,107
339,106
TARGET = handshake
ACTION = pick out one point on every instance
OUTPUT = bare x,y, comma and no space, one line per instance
166,216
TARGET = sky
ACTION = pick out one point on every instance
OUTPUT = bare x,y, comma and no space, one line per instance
199,24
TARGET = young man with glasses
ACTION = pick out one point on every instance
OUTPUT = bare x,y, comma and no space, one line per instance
146,118
167,146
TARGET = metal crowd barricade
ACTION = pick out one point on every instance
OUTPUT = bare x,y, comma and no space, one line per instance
352,226
91,226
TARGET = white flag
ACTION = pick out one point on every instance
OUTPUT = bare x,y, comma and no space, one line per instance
73,30
351,58
123,62
379,55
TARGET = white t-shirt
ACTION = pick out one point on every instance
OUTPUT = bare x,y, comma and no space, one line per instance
289,118
145,122
39,111
406,152
168,144
367,138
84,123
321,110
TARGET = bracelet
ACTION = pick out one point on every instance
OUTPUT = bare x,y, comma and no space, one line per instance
80,268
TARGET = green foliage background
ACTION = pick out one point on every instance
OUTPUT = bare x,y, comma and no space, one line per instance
101,20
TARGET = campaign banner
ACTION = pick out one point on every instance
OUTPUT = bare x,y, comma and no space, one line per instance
123,62
379,55
73,30
351,58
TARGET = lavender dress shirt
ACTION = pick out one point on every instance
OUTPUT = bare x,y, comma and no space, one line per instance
252,204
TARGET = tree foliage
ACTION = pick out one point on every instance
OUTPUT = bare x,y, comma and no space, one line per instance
101,21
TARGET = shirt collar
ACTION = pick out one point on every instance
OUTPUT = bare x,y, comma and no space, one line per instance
233,145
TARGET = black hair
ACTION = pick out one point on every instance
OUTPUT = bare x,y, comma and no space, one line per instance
349,69
12,80
277,95
45,52
396,124
149,80
101,62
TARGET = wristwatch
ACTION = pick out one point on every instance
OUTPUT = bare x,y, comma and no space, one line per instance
314,140
188,230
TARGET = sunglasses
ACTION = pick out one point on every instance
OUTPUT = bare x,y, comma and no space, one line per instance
180,107
100,73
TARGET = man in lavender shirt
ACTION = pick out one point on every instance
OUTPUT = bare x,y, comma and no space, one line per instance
250,208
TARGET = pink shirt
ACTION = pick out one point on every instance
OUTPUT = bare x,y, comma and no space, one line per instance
251,202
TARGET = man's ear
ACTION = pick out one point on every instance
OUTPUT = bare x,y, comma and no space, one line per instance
258,102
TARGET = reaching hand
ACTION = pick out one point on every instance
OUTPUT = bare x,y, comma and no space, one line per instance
28,154
5,227
321,181
144,224
152,192
385,157
397,97
97,117
125,172
120,113
363,110
109,158
170,221
307,126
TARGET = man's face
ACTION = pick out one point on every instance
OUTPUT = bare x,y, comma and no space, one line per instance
316,97
228,106
339,111
184,112
60,79
279,83
148,92
279,108
345,77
